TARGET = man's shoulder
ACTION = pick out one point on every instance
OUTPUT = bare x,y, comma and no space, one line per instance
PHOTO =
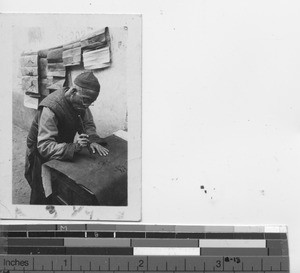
59,105
55,97
46,111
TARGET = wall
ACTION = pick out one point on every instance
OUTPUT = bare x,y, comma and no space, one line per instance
110,109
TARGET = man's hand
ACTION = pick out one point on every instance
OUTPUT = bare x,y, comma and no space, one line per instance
100,149
83,140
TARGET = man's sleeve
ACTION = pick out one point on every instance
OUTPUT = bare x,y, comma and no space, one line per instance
90,127
47,145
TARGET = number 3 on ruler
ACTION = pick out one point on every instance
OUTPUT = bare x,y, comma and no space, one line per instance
218,263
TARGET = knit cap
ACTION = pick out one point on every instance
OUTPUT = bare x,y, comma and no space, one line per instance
88,80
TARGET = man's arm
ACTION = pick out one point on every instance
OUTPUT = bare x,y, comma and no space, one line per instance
47,145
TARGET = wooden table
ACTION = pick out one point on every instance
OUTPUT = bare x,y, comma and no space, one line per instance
91,179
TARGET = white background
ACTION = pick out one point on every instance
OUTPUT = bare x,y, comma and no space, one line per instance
221,95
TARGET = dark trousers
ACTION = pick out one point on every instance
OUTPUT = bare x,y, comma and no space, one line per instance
33,174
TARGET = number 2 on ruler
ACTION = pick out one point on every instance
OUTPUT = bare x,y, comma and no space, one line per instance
141,263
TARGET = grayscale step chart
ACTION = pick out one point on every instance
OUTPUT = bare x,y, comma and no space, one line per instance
143,248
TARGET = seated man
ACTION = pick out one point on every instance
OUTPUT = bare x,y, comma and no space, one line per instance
60,116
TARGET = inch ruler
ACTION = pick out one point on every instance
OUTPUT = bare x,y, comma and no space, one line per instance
142,248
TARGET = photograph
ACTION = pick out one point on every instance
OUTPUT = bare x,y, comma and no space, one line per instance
76,113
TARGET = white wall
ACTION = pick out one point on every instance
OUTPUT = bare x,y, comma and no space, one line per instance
220,109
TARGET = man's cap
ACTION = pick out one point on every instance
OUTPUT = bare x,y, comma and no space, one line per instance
87,80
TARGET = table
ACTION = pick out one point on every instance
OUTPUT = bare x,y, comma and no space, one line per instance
90,179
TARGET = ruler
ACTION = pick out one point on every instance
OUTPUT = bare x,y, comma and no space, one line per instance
142,248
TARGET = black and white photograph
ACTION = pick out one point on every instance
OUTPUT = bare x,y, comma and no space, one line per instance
76,112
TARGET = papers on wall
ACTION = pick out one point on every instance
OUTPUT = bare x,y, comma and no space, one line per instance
55,55
56,70
45,71
31,102
72,54
56,66
29,71
58,83
29,60
96,59
30,84
96,40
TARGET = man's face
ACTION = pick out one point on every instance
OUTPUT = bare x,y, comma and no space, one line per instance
81,99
